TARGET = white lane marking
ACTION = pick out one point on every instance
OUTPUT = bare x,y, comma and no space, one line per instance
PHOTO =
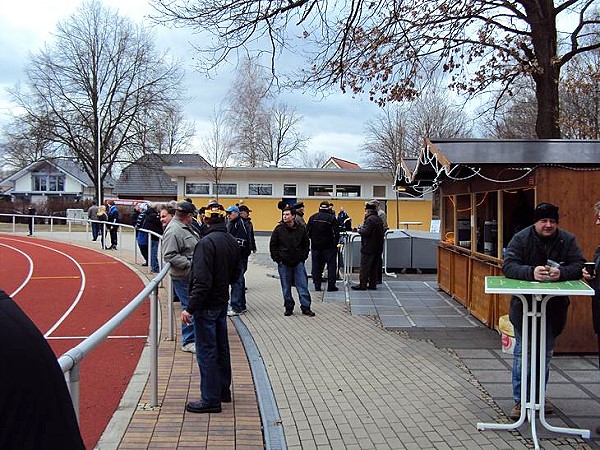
62,338
28,277
81,287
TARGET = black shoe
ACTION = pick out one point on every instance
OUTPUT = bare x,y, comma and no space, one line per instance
308,312
333,289
288,312
202,408
226,397
145,264
317,288
358,288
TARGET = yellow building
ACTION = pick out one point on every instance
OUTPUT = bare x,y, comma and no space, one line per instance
261,189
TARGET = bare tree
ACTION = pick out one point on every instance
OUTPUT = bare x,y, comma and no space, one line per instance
282,138
217,149
580,98
247,113
93,84
26,140
514,119
388,49
387,139
313,159
164,131
400,130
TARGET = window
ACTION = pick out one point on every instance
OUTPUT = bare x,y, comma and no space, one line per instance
197,188
289,190
347,190
320,190
379,191
44,182
260,189
225,189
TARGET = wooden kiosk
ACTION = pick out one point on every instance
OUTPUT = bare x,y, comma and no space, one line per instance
488,190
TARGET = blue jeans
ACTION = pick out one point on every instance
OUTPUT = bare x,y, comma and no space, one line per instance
181,288
154,255
212,354
95,230
238,289
518,351
287,277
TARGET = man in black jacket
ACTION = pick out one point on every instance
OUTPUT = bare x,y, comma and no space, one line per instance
240,230
322,228
541,252
215,267
289,246
372,237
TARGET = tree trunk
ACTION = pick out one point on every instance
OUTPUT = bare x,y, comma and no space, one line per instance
546,72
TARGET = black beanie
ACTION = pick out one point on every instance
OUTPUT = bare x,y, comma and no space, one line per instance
545,211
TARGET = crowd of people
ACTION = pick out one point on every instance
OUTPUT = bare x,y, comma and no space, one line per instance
208,249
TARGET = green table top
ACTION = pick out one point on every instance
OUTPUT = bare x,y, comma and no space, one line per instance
503,285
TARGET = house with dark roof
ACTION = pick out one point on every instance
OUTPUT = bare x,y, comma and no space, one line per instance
339,163
51,178
146,179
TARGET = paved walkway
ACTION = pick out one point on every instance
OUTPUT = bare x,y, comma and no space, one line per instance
343,380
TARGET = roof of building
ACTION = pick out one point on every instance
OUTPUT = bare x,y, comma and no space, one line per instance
457,158
66,165
146,177
339,163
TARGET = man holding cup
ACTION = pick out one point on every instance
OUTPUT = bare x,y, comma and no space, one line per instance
541,252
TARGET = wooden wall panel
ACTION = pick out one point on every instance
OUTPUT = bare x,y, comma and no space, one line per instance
444,269
460,278
481,305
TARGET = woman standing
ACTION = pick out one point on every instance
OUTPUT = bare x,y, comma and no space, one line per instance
103,217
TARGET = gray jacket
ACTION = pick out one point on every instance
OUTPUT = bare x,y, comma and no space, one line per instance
178,244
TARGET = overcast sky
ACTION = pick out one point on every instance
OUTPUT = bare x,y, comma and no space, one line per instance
335,123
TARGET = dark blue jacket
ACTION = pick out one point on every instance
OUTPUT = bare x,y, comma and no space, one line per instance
215,266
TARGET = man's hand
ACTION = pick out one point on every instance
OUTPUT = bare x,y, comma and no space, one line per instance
546,273
186,317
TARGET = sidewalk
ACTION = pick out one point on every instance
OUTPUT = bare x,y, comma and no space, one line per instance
341,380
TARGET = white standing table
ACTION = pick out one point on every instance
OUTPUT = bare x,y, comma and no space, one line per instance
541,292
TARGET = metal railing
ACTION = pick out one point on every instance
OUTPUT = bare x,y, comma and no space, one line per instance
348,251
71,360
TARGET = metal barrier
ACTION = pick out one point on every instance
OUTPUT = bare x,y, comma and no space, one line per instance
70,361
348,254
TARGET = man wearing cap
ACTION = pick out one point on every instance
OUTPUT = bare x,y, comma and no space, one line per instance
289,247
216,263
245,214
371,245
541,252
299,217
236,226
324,236
179,241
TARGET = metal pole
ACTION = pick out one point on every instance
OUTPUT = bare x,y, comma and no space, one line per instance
154,347
170,309
73,384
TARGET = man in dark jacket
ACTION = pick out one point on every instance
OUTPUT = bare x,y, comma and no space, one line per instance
113,219
237,227
541,252
215,266
289,246
372,236
322,229
152,223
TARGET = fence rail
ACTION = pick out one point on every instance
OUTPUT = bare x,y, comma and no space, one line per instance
70,361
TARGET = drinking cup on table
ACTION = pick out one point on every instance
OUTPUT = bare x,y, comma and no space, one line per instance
590,267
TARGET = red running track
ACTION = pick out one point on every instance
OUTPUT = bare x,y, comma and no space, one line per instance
69,292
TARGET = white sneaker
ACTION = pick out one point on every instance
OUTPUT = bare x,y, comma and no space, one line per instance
231,312
190,347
